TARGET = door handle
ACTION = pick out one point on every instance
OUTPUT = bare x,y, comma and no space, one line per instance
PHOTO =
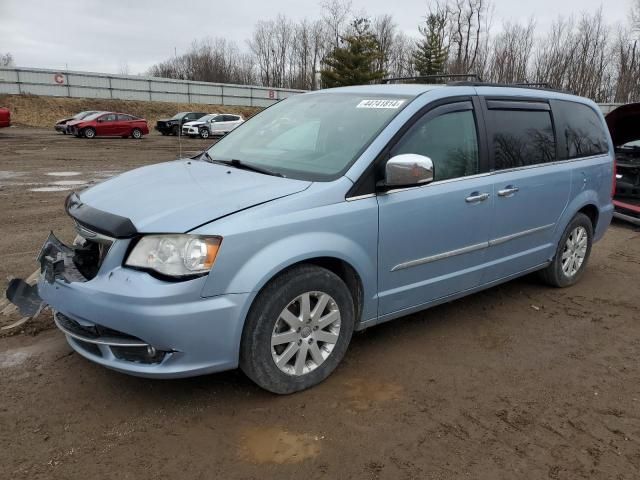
508,191
476,197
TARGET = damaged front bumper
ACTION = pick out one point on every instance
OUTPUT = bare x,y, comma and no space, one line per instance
129,321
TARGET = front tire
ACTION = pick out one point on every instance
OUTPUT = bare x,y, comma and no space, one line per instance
204,133
572,253
89,133
298,330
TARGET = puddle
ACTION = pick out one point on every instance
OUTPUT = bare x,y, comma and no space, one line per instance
107,173
64,174
13,358
7,174
50,189
272,445
364,394
69,182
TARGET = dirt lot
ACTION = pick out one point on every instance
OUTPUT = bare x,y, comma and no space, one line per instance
520,381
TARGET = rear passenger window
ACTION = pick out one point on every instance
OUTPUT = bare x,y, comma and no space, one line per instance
449,140
521,138
582,132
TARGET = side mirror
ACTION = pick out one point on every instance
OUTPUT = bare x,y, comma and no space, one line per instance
407,170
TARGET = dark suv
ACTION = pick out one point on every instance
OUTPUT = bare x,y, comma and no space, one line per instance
173,125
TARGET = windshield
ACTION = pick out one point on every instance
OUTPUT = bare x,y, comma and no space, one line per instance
206,118
312,136
178,116
82,115
92,116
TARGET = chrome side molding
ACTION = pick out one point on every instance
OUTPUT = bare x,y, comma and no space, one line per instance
469,248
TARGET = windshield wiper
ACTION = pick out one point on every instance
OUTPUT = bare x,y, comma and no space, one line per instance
206,156
247,166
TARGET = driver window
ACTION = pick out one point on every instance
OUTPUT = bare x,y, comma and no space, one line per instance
108,118
450,140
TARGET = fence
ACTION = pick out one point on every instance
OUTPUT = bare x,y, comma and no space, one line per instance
61,83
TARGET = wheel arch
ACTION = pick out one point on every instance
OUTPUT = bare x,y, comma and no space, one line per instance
591,211
343,269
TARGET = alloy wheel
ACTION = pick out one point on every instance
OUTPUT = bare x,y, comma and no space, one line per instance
305,333
575,251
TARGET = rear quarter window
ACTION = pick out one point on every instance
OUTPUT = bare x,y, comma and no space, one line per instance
581,132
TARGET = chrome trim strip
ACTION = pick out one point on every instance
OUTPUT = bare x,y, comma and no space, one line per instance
112,342
506,238
88,234
498,172
440,256
360,197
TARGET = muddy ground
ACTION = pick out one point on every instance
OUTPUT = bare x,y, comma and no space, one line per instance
520,381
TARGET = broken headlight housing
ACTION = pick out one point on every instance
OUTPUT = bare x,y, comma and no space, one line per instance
178,256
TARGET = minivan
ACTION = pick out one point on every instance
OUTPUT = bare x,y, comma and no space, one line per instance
326,213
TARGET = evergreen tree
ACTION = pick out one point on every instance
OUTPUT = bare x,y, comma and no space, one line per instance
430,56
354,62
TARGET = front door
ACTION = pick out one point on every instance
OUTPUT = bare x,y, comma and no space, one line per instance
433,238
106,124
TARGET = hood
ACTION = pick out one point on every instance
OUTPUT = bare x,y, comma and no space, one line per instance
167,120
624,124
64,120
195,123
176,197
76,122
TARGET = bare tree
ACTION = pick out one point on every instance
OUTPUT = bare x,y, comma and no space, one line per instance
336,15
468,18
511,51
6,60
384,29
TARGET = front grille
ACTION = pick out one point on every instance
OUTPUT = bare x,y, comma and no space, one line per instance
91,348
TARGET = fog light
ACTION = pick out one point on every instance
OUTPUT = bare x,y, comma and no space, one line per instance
151,351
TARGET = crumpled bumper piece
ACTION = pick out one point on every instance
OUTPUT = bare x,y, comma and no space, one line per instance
25,297
56,262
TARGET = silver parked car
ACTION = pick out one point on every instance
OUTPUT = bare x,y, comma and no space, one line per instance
329,212
212,124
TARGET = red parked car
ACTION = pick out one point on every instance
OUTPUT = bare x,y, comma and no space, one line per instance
109,124
5,117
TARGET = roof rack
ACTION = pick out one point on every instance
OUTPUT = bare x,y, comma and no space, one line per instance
468,80
538,85
427,78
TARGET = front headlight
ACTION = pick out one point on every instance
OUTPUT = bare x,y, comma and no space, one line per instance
178,255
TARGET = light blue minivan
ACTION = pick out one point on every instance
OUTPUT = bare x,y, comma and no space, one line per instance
329,212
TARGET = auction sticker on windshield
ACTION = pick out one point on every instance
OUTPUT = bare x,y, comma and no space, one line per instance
372,103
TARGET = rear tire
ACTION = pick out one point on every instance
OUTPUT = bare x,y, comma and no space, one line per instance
572,253
175,130
136,133
89,133
309,341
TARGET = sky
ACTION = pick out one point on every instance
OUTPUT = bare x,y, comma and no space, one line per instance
103,36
